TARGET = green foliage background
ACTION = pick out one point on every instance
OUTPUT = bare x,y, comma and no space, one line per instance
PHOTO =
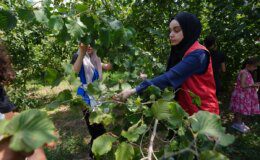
133,35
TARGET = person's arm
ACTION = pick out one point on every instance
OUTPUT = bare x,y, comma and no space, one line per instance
5,104
244,84
222,62
223,67
78,63
195,63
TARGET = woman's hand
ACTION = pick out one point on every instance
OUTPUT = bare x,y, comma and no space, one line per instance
106,66
83,48
143,76
125,94
257,84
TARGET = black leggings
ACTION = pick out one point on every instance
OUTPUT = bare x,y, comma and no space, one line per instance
95,130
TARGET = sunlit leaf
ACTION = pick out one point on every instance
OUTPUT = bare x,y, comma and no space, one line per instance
102,144
212,155
100,117
30,130
41,16
133,132
125,86
161,110
124,151
75,28
56,23
209,124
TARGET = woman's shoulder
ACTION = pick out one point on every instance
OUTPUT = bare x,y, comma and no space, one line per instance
199,53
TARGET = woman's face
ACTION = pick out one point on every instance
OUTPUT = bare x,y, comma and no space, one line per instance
89,50
176,34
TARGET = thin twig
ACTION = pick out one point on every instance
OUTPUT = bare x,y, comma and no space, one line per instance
155,156
150,150
142,141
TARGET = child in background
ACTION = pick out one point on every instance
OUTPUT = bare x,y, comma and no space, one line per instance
244,99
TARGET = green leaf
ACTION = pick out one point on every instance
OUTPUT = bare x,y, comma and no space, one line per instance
195,99
65,95
124,151
3,6
26,14
77,102
51,76
30,130
152,90
75,28
133,132
161,110
3,124
53,105
104,37
177,115
212,155
209,124
100,117
41,16
102,144
93,88
138,101
168,95
115,25
56,23
115,88
147,111
64,35
88,21
86,39
8,20
125,86
81,7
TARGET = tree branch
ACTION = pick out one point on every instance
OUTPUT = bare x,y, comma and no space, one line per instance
150,151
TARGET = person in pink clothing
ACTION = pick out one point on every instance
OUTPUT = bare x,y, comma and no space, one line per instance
244,99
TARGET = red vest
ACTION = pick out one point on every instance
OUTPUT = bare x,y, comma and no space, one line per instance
203,85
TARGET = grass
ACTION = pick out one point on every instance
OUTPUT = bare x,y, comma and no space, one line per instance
74,138
73,134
